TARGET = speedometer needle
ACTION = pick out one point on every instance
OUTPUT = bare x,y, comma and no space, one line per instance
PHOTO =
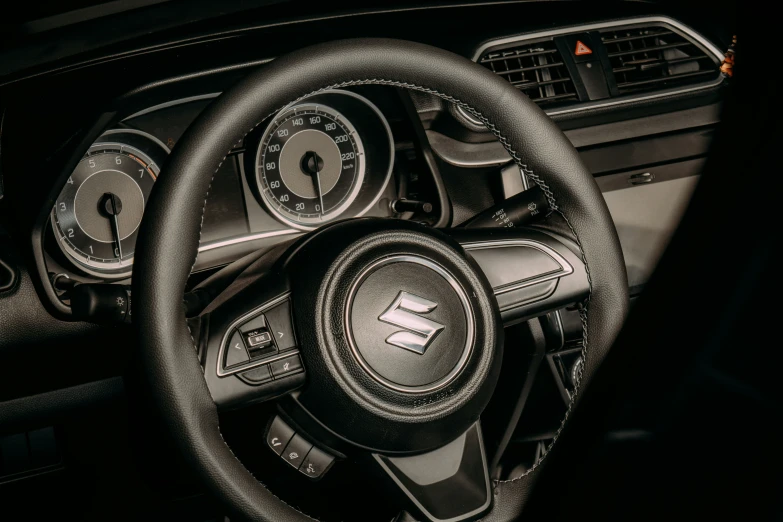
312,162
113,207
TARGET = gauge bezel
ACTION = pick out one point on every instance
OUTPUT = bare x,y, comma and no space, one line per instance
275,206
148,148
373,137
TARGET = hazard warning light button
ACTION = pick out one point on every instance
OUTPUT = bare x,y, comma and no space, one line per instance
581,49
582,46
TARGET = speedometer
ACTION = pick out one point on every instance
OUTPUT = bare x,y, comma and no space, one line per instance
311,165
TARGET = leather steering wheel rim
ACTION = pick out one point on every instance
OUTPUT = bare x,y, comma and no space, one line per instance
170,232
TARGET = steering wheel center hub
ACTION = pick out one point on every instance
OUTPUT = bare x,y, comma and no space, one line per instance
406,340
409,323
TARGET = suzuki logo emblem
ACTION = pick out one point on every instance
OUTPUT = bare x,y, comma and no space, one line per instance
405,312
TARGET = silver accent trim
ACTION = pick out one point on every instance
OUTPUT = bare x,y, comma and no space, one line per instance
468,116
560,328
691,33
131,131
513,180
245,239
171,103
222,372
566,268
603,25
463,297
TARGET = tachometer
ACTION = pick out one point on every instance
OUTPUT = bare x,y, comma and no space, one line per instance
97,215
311,165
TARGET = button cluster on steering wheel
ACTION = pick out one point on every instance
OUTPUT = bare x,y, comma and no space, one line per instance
263,337
297,451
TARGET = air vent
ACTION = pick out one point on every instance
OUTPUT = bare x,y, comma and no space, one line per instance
655,57
535,69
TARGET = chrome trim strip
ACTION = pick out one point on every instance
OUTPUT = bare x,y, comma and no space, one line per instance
603,25
468,116
566,268
661,94
130,131
245,239
463,297
221,372
691,33
172,103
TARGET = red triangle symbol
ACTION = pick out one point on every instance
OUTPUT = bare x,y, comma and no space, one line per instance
582,49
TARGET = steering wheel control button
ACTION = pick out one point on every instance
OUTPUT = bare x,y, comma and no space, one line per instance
316,463
255,323
279,435
296,451
258,339
410,323
235,351
257,375
281,326
287,366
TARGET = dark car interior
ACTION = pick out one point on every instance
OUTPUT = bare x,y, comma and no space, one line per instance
442,261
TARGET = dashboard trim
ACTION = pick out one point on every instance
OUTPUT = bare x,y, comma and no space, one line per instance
133,131
690,32
565,267
244,239
172,103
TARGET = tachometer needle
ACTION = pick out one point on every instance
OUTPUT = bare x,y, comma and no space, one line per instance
116,226
113,207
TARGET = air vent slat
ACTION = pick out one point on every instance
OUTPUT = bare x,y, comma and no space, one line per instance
511,56
525,85
651,57
638,37
651,62
650,49
560,96
658,80
535,69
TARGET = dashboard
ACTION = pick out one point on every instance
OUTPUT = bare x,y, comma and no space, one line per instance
637,92
91,110
613,86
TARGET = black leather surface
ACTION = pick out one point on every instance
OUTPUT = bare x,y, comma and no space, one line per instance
169,235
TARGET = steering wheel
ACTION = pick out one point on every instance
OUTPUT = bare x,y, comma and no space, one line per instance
398,327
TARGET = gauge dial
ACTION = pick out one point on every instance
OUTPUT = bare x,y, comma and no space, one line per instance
98,213
310,165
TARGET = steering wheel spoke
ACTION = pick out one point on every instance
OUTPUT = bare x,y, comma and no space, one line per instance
531,272
449,483
252,353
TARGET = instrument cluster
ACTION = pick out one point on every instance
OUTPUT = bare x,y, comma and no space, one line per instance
325,158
